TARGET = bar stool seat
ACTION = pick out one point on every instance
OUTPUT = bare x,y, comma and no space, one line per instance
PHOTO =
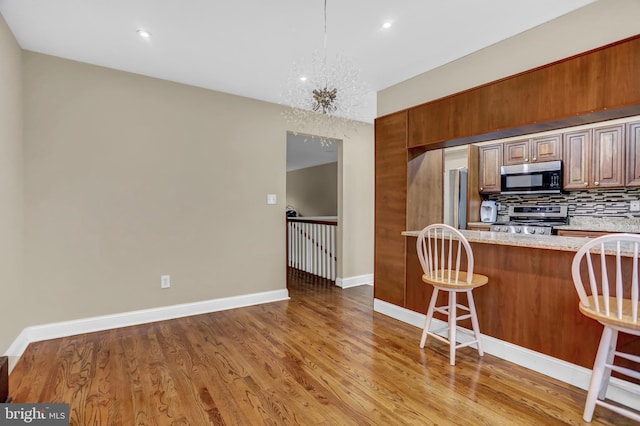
442,250
605,274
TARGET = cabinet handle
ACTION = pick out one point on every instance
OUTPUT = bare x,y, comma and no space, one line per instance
585,184
481,188
596,183
535,159
526,159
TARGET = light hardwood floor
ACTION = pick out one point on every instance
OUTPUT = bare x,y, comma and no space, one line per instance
322,358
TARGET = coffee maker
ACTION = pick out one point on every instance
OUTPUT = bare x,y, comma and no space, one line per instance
488,211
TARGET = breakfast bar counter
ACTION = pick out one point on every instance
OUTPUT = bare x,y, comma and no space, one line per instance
549,242
530,300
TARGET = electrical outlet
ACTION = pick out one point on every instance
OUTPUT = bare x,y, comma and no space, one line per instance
165,281
634,206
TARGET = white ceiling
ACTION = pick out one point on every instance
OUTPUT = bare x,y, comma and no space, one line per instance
249,47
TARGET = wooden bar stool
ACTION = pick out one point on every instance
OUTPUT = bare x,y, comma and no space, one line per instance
608,290
441,250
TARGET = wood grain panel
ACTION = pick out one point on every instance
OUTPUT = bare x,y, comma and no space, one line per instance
596,85
424,189
390,206
431,121
622,85
467,121
474,198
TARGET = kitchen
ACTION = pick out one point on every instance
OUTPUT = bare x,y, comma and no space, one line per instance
528,311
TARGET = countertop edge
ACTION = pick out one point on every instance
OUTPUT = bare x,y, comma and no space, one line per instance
546,242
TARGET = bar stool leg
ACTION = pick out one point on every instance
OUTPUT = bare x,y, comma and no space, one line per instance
597,373
474,321
427,321
607,372
452,327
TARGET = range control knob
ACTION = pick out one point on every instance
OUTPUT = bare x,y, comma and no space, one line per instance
518,229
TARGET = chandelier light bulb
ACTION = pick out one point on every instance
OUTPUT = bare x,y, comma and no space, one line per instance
143,33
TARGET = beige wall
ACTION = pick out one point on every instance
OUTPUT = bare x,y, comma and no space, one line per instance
313,191
595,25
129,177
12,292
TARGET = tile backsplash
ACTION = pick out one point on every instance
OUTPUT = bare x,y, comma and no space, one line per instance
596,202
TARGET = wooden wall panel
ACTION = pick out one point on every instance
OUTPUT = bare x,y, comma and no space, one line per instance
390,207
425,189
594,86
622,82
431,121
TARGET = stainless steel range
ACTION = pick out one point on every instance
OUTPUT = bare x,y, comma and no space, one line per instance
538,220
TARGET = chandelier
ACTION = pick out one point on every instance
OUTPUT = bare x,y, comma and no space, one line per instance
325,95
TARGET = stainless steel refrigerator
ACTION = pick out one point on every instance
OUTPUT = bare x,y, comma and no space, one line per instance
455,197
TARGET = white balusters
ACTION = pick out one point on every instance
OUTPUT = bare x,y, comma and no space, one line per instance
312,246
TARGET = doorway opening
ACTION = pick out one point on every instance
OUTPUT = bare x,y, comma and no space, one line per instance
312,199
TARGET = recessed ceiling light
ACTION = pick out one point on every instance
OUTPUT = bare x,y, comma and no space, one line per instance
386,25
303,78
143,33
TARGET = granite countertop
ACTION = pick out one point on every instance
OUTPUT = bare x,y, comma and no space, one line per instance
546,242
549,242
602,224
590,223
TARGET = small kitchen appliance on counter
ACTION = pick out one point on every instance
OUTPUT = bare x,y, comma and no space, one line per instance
488,211
534,219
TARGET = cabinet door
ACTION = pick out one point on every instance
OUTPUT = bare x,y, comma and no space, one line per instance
546,148
390,207
577,159
633,154
516,152
489,169
608,157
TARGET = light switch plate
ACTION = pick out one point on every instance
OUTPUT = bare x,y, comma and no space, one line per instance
272,199
634,206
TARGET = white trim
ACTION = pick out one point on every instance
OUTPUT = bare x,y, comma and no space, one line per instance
125,319
620,391
355,281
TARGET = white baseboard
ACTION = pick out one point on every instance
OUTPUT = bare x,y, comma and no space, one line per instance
125,319
620,391
355,281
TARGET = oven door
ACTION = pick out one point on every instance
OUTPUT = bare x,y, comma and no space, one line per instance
537,178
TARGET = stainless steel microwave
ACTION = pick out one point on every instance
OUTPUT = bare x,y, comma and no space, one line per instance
534,178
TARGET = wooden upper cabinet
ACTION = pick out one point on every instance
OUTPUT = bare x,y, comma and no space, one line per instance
622,65
577,159
431,121
537,150
594,158
516,152
633,154
602,82
608,157
489,169
546,148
